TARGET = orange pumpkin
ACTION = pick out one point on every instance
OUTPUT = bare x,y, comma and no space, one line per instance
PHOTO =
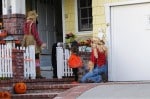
1,94
6,95
20,88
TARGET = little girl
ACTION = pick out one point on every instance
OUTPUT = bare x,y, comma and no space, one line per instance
75,62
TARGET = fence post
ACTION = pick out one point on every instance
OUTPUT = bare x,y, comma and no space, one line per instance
60,61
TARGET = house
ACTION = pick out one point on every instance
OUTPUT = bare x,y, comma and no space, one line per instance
124,24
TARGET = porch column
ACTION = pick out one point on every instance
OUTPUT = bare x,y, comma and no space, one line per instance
13,16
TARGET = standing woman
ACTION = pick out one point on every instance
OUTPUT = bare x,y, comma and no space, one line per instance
97,63
31,37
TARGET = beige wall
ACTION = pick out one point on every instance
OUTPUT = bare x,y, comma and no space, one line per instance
69,13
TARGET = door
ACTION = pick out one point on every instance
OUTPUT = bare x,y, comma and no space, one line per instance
50,30
45,10
130,38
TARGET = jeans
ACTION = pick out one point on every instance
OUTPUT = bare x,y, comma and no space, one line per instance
95,74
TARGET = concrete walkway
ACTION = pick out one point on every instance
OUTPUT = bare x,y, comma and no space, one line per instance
134,90
109,90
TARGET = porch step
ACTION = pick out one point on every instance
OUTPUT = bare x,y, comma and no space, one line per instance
7,85
43,91
49,88
34,96
45,88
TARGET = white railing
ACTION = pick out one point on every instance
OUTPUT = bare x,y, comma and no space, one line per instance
62,67
6,61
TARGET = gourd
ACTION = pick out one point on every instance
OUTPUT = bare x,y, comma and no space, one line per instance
20,88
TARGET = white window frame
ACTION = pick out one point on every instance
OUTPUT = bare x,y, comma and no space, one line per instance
76,21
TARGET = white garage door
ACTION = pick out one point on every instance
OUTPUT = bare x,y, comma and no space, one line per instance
130,43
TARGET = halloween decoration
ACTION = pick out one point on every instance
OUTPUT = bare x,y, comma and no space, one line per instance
5,95
20,88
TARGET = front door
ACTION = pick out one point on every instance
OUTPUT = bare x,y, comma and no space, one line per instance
49,28
45,10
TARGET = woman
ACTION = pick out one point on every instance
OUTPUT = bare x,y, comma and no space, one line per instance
97,63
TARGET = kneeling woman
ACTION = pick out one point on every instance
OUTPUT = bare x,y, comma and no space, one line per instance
97,64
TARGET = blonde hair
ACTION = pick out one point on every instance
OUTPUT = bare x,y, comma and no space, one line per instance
97,46
32,15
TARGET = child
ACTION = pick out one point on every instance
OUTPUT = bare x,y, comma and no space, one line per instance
75,62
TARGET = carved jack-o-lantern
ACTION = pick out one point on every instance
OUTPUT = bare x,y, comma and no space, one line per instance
20,88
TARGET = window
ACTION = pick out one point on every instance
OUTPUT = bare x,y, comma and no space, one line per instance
85,15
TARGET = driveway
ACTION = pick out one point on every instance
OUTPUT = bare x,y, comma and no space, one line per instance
118,90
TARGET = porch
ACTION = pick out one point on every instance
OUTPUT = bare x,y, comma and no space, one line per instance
46,88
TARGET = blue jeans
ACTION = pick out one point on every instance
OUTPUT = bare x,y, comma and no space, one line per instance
95,74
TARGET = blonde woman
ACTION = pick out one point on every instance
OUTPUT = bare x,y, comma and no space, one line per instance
97,63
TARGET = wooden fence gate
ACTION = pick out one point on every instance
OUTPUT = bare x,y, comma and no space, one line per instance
63,69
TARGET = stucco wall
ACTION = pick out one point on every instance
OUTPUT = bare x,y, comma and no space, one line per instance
98,12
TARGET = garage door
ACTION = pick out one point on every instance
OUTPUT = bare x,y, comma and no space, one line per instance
130,43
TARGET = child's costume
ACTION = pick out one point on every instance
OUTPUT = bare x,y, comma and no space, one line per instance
74,61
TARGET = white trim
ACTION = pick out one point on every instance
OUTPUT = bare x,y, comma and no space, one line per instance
108,30
127,2
63,20
76,22
4,4
76,14
107,14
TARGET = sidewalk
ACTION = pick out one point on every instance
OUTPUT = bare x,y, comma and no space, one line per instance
110,90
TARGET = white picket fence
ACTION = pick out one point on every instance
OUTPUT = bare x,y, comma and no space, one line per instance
63,69
6,61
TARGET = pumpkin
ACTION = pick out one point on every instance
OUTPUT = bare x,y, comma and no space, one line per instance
1,94
20,88
5,95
